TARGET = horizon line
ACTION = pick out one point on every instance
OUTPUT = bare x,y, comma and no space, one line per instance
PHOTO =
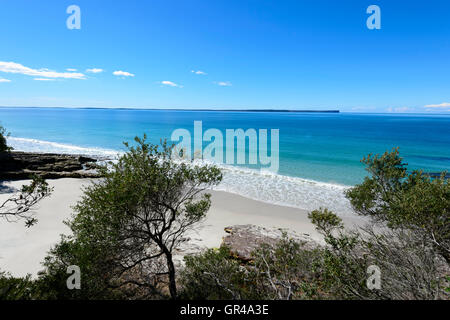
185,109
225,110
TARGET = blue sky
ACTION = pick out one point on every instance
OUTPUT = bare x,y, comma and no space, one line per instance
251,54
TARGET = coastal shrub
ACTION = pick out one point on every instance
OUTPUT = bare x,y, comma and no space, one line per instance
52,284
287,270
325,220
124,224
405,240
26,288
415,201
407,237
95,272
215,275
282,271
128,224
3,135
410,267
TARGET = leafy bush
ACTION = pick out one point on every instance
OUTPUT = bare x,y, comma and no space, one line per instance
15,288
325,220
3,135
410,267
120,257
129,223
215,275
283,271
287,270
414,200
406,240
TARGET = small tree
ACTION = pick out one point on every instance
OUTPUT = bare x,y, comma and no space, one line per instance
408,237
405,200
128,224
215,275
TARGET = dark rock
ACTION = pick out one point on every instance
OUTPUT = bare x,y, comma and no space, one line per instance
22,165
242,240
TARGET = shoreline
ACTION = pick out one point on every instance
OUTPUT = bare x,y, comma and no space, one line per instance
23,249
272,188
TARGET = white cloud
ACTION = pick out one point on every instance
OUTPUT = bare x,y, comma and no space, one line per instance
442,105
12,67
171,84
362,108
4,80
199,72
400,109
71,70
224,83
94,70
123,73
44,79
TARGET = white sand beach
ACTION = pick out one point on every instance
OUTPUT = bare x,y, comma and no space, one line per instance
23,249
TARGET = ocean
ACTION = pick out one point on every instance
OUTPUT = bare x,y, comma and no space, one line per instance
319,153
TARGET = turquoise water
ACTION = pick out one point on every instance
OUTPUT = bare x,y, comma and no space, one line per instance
314,147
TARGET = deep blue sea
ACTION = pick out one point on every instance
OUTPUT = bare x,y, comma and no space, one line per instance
319,153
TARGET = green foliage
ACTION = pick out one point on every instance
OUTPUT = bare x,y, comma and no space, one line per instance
214,275
15,288
407,244
285,271
405,200
94,268
343,262
49,286
3,135
128,224
325,220
410,267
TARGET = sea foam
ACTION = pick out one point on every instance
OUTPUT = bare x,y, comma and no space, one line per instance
284,190
40,146
255,184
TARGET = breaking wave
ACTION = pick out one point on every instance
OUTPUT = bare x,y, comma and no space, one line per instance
34,145
259,185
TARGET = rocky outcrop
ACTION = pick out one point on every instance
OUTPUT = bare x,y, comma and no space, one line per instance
22,165
242,240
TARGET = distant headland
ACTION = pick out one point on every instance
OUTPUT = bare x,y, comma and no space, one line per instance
183,109
268,110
